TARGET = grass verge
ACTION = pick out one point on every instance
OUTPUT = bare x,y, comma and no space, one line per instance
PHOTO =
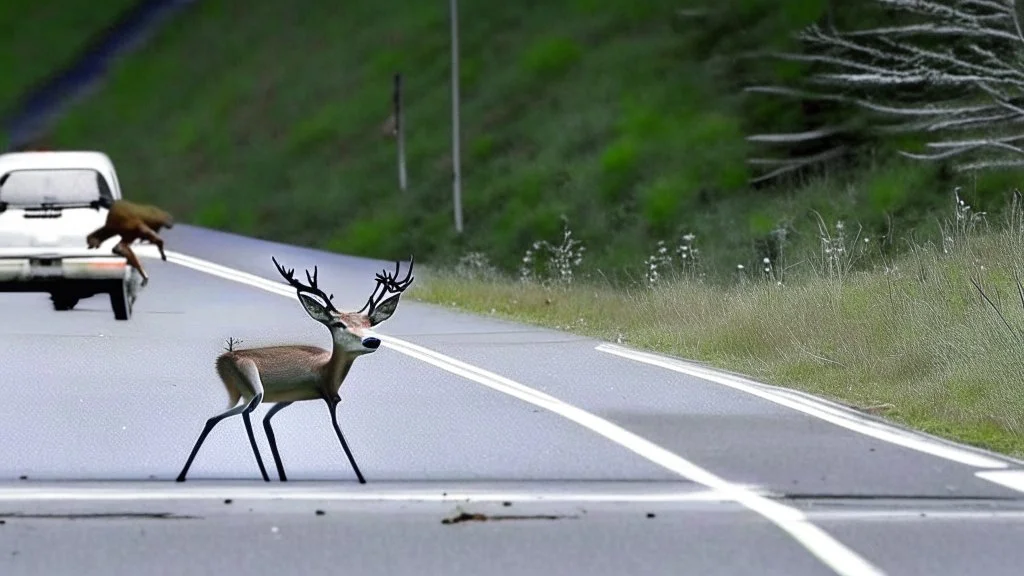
931,338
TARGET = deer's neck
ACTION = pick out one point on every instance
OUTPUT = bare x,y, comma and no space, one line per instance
336,369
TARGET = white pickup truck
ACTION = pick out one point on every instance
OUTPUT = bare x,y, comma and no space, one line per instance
49,203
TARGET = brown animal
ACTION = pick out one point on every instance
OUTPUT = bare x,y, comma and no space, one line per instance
132,222
286,374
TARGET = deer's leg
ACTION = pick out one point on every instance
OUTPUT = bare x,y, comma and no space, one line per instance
332,404
270,436
256,387
251,378
202,437
252,440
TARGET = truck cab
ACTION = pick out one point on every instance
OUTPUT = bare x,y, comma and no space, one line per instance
49,202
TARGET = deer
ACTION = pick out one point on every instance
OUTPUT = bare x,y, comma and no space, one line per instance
286,374
132,221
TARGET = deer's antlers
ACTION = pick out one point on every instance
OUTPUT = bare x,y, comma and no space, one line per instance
311,288
388,283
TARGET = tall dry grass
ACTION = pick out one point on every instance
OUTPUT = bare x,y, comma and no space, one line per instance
933,337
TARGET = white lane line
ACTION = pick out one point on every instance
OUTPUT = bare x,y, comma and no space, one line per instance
332,493
827,549
1012,479
818,410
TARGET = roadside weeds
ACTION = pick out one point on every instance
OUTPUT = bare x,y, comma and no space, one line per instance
931,338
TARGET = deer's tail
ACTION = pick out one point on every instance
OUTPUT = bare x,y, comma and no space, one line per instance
228,372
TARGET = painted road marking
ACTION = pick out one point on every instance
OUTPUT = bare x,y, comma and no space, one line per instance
1012,479
827,549
819,410
198,491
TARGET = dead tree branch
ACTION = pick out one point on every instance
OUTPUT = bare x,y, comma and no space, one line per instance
956,76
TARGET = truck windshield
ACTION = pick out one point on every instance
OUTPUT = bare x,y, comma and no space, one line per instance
60,187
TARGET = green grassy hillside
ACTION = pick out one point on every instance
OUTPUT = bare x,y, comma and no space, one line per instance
41,37
623,116
627,119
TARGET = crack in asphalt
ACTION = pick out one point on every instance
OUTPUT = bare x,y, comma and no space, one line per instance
99,515
477,517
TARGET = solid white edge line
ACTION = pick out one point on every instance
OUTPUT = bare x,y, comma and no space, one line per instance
818,542
823,412
1012,479
160,495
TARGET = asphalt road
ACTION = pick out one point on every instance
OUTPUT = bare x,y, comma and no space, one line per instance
621,464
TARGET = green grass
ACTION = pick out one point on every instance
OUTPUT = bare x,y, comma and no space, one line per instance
41,37
620,116
909,337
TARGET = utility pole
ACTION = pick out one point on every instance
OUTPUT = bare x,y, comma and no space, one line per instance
456,168
400,130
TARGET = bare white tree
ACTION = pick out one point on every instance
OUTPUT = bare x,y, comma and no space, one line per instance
951,70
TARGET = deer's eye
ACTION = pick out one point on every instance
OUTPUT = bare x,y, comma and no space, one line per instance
337,324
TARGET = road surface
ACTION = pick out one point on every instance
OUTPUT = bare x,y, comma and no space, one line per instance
580,456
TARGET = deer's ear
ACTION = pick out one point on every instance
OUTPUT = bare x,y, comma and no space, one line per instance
384,310
316,310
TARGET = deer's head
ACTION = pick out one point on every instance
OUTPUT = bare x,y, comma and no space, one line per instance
349,329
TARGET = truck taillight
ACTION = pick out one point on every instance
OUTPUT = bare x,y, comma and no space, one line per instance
114,264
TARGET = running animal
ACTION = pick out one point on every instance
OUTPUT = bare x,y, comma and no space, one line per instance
132,222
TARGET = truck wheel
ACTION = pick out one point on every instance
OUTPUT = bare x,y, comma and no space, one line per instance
120,302
63,302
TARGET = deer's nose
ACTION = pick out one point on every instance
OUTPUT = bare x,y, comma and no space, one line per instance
371,343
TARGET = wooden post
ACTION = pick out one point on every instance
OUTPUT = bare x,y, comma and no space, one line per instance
456,161
400,130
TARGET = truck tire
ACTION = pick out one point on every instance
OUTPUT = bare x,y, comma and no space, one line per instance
120,302
62,302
